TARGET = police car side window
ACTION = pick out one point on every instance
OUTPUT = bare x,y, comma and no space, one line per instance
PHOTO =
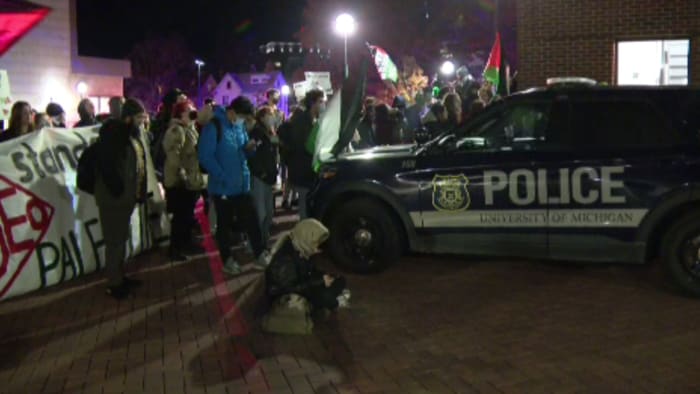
519,127
618,124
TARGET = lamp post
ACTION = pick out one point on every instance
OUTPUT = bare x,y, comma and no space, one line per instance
82,89
447,68
345,25
199,64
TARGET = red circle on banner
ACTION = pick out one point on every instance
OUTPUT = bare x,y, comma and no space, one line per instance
38,214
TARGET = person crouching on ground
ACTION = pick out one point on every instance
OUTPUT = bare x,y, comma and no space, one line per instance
223,150
182,179
120,185
292,271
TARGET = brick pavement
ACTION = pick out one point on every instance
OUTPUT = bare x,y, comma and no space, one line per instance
429,325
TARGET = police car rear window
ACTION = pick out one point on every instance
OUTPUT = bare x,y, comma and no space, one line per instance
603,125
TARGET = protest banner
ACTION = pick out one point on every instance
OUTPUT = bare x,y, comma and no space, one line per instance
49,230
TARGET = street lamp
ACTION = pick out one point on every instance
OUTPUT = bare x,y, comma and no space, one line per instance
285,90
82,89
199,64
447,68
345,25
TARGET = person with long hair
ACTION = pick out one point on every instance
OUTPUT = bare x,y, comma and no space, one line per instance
263,168
387,125
453,105
21,121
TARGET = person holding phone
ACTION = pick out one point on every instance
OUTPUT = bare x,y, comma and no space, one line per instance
264,168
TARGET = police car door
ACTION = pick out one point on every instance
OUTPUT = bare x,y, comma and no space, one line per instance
481,197
607,173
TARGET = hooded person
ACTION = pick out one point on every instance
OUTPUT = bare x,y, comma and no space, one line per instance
291,270
223,151
86,111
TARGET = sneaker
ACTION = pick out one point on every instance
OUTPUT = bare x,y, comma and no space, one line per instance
263,261
132,283
118,292
247,247
193,250
232,267
343,302
176,256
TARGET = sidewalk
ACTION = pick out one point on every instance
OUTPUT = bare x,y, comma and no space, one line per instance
430,325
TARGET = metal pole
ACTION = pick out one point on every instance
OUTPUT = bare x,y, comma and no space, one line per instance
199,84
345,39
495,18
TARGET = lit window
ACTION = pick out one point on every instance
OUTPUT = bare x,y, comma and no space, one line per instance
654,62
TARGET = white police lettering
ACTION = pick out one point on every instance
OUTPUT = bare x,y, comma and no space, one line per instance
522,180
582,185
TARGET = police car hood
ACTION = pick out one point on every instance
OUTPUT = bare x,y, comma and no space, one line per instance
380,152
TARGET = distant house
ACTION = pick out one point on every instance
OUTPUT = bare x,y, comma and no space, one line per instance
227,90
208,88
252,85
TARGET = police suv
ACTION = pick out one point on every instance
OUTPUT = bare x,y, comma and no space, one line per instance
567,172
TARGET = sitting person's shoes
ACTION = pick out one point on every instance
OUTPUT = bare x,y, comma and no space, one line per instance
118,292
193,249
232,267
176,256
263,261
132,283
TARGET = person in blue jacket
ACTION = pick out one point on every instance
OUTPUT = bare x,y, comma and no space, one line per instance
223,151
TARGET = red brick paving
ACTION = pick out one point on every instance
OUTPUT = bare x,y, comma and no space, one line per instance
428,325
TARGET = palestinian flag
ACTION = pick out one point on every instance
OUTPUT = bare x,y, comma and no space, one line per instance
17,18
493,66
336,127
386,68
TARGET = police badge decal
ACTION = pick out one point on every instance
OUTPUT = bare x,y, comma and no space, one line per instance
450,193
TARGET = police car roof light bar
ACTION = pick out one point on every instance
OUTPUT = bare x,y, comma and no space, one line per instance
571,81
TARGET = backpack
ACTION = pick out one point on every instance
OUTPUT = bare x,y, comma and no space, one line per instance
219,131
86,176
159,129
289,314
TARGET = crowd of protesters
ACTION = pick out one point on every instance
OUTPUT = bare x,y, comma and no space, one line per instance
233,157
432,111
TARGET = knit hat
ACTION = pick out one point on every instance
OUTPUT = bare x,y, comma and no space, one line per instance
132,107
54,109
171,97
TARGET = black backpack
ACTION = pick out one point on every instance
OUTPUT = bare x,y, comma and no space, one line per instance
86,176
219,131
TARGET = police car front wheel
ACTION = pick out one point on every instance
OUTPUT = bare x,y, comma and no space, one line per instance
364,236
681,254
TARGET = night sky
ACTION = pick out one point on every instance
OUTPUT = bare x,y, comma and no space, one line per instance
110,28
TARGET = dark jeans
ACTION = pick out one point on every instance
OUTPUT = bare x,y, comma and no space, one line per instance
115,221
235,214
181,204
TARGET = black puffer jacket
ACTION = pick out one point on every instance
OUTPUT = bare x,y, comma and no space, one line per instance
263,164
299,160
289,273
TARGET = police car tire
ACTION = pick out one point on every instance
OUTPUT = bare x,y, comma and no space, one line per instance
389,241
672,245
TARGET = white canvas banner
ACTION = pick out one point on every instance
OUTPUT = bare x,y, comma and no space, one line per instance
49,230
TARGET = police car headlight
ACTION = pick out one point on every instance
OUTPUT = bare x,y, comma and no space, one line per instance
327,172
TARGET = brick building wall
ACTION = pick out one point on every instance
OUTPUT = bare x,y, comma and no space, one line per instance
579,37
